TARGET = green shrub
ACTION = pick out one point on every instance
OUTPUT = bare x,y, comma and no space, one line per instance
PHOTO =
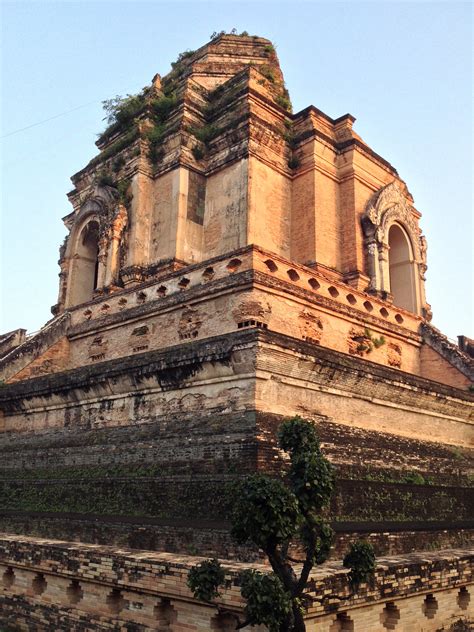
294,162
264,509
118,163
205,134
181,57
361,562
162,107
155,138
105,179
123,191
116,147
267,600
205,578
284,102
121,111
415,478
268,73
197,152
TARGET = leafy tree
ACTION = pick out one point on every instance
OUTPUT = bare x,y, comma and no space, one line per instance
270,513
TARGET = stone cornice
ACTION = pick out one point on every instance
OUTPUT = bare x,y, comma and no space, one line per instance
35,344
448,350
395,577
372,370
174,365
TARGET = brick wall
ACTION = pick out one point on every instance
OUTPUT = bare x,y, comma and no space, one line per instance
50,584
163,484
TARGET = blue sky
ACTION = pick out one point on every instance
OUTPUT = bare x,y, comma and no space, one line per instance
403,69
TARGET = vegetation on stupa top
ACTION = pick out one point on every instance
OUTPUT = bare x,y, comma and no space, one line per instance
124,113
123,116
153,106
274,514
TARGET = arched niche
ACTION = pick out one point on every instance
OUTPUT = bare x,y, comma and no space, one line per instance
395,249
84,264
402,273
90,257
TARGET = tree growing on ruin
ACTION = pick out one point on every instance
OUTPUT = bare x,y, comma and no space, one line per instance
272,513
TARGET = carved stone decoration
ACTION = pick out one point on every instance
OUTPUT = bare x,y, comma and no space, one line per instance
140,338
132,275
311,326
387,206
363,341
387,197
189,323
423,250
44,368
63,263
252,310
114,239
359,342
394,355
101,201
62,249
98,348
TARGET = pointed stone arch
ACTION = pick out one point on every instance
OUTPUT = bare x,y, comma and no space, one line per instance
391,221
109,217
84,263
402,274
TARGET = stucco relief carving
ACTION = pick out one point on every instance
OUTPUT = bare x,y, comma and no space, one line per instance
358,342
388,196
386,206
98,348
311,326
423,250
62,249
140,338
394,355
189,323
248,309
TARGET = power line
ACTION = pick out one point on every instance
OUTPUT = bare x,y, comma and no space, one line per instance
22,129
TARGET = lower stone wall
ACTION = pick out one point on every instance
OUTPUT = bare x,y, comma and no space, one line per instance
162,486
54,585
148,485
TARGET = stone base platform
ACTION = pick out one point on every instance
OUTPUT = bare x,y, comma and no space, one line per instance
58,585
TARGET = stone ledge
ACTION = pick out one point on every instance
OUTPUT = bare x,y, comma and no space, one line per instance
214,349
165,574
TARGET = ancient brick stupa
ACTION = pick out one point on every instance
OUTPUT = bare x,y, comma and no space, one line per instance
230,264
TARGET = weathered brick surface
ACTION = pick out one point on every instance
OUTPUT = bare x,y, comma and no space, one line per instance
248,266
163,484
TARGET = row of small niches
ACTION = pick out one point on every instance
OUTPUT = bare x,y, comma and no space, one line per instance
314,284
233,265
142,296
390,615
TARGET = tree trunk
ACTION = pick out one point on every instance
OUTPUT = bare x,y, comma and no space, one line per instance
299,624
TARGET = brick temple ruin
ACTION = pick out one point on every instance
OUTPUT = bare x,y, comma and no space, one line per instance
228,265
